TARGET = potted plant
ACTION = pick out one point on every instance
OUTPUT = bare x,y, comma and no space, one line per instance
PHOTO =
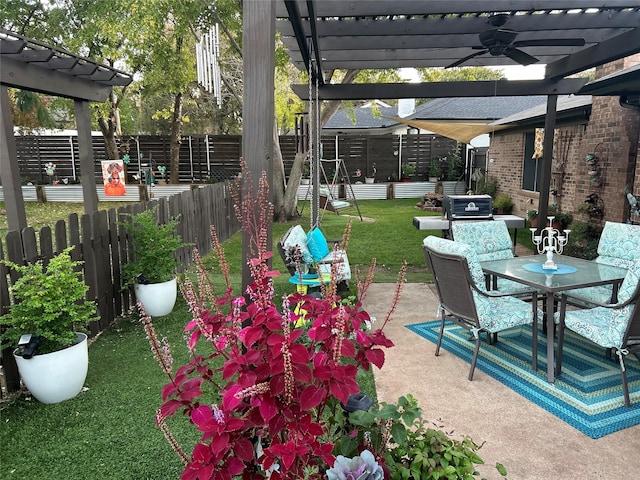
454,169
47,319
455,166
151,269
408,169
434,171
487,185
562,220
532,215
371,174
503,204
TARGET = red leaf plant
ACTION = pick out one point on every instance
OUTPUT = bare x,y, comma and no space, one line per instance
264,413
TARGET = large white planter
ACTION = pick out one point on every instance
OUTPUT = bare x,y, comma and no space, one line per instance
158,298
453,188
412,189
57,376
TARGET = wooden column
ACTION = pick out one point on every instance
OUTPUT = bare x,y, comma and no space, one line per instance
9,170
85,154
547,160
258,49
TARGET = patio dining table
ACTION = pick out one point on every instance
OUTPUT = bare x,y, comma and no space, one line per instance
572,273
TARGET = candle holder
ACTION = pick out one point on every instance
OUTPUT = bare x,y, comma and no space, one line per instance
550,241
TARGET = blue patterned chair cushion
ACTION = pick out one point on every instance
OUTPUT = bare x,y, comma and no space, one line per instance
619,244
489,239
599,293
630,283
606,326
497,314
443,245
505,285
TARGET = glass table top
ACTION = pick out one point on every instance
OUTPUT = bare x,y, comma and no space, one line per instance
574,272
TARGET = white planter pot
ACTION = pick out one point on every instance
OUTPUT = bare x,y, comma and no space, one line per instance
57,376
369,180
158,298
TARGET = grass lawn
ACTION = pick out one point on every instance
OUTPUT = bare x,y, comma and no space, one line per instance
109,430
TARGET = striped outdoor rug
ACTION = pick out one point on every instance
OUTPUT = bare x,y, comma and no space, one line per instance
588,395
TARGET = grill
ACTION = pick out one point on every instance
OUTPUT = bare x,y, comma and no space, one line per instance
467,207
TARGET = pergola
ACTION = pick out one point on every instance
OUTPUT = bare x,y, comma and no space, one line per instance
30,65
568,36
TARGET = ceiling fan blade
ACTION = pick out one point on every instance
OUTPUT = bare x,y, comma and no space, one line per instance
519,56
497,35
550,42
468,57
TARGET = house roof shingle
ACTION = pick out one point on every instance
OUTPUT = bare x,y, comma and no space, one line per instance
476,109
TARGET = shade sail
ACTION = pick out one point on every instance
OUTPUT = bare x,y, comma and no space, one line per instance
462,132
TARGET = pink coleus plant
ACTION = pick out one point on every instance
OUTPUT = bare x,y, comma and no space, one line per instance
267,417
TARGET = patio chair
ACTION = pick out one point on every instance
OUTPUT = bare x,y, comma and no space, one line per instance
465,301
613,326
313,250
619,245
491,241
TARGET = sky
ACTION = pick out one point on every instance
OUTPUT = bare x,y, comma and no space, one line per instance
518,72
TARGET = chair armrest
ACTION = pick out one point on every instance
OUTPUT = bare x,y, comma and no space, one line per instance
597,304
495,294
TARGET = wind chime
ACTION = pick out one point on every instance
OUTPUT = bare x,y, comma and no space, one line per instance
207,53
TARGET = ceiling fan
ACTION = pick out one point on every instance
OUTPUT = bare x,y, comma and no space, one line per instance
501,41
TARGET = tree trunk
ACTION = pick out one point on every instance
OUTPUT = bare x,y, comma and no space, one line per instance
331,107
108,132
110,128
289,208
175,141
278,183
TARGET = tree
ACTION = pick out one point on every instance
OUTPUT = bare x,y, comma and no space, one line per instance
459,74
154,40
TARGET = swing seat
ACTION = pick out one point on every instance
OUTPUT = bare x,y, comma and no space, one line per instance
313,250
331,204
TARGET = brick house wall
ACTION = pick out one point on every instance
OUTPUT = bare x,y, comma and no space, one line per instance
611,132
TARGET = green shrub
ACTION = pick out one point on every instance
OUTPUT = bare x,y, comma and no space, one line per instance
153,248
49,302
503,202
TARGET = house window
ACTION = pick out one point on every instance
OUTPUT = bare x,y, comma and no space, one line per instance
532,167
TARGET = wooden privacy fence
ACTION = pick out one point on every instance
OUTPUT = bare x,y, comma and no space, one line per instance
101,243
210,158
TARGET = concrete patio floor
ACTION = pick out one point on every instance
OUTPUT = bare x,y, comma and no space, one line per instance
530,442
